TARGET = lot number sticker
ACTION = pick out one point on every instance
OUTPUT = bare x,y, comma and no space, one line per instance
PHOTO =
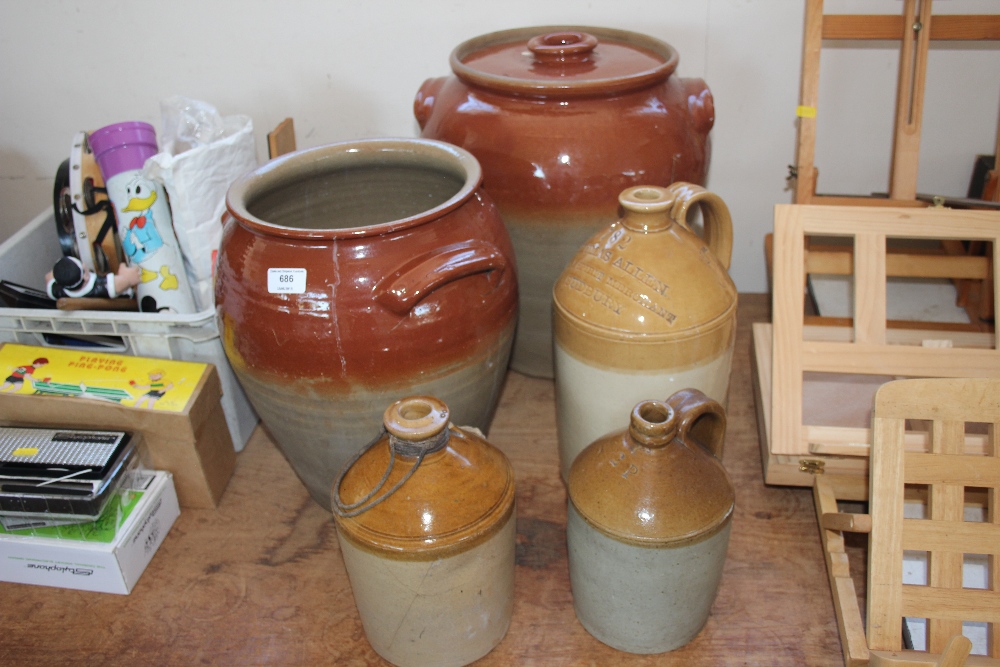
286,281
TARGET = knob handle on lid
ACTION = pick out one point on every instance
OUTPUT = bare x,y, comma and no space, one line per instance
561,46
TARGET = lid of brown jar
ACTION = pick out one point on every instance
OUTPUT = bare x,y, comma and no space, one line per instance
458,496
564,60
646,276
651,487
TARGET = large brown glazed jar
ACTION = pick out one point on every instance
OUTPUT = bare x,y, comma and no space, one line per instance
426,525
562,119
650,509
646,308
354,274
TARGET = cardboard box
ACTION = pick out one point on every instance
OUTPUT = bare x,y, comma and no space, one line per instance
193,443
103,567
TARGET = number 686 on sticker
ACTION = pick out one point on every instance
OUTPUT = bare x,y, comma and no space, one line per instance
286,281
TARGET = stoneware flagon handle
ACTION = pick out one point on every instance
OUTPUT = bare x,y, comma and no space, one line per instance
402,290
718,223
701,419
423,102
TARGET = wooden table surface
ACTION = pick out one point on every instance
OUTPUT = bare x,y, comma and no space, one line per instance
260,580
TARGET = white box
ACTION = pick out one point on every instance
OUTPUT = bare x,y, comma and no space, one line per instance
93,566
25,258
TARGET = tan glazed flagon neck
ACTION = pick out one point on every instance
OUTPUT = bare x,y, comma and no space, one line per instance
417,424
653,424
650,208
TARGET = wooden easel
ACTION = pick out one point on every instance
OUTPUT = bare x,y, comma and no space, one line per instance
915,29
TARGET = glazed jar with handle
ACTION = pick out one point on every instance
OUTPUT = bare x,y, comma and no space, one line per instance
355,274
562,119
645,308
650,510
426,525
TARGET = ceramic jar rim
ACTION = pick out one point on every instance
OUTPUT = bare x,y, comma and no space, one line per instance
563,88
280,170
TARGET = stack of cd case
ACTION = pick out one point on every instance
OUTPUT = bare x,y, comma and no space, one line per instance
62,474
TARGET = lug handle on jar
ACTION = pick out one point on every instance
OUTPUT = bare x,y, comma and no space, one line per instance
423,102
701,419
718,223
402,290
701,104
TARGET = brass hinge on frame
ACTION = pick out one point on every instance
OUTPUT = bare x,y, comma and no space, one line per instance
812,466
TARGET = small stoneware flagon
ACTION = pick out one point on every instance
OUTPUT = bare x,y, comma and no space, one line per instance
354,274
644,309
562,119
426,524
650,510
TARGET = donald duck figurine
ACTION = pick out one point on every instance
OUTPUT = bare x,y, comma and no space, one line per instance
140,238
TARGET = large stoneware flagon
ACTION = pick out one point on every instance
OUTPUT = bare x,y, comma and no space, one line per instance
354,274
562,119
644,309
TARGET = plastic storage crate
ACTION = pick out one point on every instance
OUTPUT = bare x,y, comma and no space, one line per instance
30,253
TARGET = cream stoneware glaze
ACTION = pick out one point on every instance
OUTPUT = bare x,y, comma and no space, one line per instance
644,309
563,118
648,527
354,274
426,525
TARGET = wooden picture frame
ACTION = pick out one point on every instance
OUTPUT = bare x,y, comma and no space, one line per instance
787,349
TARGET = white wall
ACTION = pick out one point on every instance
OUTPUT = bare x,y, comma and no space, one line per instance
349,68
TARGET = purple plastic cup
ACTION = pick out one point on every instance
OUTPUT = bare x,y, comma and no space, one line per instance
123,147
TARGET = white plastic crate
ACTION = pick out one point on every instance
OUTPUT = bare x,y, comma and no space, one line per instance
31,252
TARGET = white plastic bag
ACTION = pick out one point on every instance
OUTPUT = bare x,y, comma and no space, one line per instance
201,154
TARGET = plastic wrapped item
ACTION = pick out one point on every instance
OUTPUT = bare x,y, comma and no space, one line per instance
189,123
63,475
202,153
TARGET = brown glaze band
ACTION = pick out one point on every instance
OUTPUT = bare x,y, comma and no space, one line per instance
695,537
604,348
387,528
416,550
569,87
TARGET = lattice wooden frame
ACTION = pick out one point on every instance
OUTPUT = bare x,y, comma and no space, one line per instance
947,469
